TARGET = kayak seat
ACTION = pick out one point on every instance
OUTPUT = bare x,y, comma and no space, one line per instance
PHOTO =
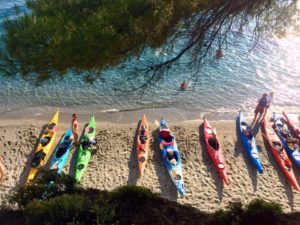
51,126
142,159
177,177
89,130
80,166
213,143
244,124
67,138
38,157
277,145
61,150
164,143
45,140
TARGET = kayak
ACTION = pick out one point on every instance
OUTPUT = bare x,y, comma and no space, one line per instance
142,143
171,156
293,124
62,152
43,149
214,150
279,153
85,149
249,142
284,135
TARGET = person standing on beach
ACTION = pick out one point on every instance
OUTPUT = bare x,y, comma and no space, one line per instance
75,128
260,108
269,102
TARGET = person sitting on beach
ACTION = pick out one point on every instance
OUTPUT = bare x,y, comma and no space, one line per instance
171,156
260,108
184,85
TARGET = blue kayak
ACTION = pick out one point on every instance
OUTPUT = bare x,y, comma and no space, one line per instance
249,142
284,135
171,156
61,152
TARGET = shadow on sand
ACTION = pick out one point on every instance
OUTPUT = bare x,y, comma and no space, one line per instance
240,149
210,166
133,164
168,189
25,171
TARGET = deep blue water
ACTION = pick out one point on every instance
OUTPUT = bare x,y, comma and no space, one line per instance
227,85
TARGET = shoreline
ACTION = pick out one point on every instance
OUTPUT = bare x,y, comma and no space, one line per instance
132,116
115,163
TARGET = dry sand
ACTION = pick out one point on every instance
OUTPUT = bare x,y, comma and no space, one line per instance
115,164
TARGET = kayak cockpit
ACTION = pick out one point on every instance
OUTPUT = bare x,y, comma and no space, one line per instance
213,143
38,157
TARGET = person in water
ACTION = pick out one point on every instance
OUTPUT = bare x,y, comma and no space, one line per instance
184,85
260,108
74,126
269,102
219,53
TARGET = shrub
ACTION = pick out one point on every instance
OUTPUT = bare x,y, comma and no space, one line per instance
260,212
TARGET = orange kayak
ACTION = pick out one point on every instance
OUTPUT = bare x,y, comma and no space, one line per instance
279,153
142,143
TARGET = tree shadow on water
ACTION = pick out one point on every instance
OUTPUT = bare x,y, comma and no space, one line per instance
240,149
29,157
133,163
167,187
210,166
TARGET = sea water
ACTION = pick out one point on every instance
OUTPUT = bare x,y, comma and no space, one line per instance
230,84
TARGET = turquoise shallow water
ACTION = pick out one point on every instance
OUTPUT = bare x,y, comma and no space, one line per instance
228,85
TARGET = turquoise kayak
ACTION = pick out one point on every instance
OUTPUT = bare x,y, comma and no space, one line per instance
62,152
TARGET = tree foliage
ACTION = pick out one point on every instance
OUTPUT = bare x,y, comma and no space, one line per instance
54,37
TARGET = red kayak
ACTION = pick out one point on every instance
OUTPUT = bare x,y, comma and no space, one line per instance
279,152
294,125
214,150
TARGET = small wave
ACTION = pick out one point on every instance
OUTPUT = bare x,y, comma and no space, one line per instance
110,110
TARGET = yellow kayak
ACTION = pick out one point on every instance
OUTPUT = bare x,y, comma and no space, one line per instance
43,149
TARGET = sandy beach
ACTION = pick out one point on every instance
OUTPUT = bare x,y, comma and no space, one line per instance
115,162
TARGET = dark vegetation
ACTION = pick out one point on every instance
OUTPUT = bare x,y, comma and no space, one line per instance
125,205
54,37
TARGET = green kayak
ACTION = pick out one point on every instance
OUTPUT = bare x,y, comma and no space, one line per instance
85,149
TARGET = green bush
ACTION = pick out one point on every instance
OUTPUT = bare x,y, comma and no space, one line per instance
232,216
260,212
68,209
